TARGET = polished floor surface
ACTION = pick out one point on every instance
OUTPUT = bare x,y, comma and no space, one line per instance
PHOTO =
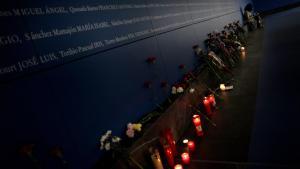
258,122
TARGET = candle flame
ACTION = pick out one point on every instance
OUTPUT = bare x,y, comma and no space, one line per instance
190,143
222,87
178,166
185,155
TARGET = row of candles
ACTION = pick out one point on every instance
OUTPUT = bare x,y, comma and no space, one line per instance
170,152
209,103
185,156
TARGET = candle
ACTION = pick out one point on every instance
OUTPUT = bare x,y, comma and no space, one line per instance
243,55
156,160
243,49
185,145
185,157
207,106
185,141
191,146
243,52
169,155
170,139
222,87
196,120
178,166
212,100
198,126
229,87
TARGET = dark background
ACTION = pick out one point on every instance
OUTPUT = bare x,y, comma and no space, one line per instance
266,5
72,102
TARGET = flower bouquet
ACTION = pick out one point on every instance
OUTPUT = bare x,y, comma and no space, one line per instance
112,144
108,142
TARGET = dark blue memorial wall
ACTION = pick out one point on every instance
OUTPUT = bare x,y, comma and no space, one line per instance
72,72
265,5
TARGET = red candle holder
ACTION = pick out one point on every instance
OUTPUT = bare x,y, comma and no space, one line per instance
196,120
207,106
212,101
169,155
185,157
198,126
191,146
168,135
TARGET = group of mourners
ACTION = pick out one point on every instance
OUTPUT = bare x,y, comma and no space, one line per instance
252,19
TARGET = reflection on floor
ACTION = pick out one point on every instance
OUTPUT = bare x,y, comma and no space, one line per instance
257,122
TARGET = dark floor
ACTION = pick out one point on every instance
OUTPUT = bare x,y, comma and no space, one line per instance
275,132
257,122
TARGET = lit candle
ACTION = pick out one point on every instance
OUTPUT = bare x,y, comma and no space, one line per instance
212,100
243,52
185,145
243,49
198,126
222,87
156,160
178,166
185,157
170,139
191,146
185,141
207,106
169,155
196,120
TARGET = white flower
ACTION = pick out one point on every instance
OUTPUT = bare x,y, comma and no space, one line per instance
130,133
108,132
116,139
129,126
102,146
222,87
180,90
174,90
107,146
103,138
192,90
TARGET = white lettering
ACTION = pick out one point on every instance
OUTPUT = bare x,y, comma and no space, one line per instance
10,39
